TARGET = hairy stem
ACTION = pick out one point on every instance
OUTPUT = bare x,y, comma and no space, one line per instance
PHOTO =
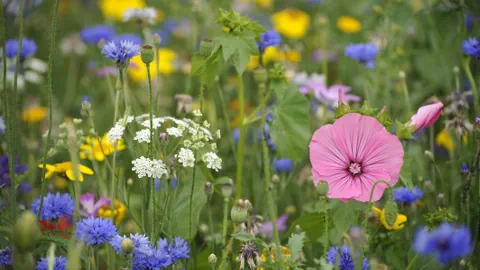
241,141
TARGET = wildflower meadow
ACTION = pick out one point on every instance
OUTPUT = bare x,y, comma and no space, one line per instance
240,134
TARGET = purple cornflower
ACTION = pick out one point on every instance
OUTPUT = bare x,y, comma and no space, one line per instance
267,228
29,47
365,53
60,263
128,37
121,52
95,231
5,257
54,206
283,165
446,242
406,195
270,38
471,47
93,34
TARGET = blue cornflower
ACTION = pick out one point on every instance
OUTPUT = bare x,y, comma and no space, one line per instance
128,37
469,22
178,250
60,263
270,142
5,257
54,206
332,255
365,264
93,34
121,52
446,242
270,38
95,231
346,260
471,47
2,125
142,249
406,195
29,47
464,168
5,171
283,165
365,53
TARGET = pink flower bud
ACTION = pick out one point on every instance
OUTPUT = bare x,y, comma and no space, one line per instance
426,116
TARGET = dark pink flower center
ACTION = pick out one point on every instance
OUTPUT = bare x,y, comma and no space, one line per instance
355,168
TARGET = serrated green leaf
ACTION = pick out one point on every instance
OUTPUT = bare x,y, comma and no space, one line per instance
238,48
243,236
295,244
290,129
312,224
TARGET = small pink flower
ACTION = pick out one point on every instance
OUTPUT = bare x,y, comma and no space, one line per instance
352,154
89,206
426,116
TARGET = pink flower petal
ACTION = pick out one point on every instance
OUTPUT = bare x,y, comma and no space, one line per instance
426,115
368,180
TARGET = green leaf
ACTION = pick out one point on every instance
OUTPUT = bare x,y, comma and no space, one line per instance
181,211
198,64
237,48
346,214
295,244
406,171
214,65
290,130
312,224
243,236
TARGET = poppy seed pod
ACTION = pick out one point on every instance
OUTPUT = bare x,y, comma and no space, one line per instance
147,54
239,212
127,245
206,47
212,259
26,232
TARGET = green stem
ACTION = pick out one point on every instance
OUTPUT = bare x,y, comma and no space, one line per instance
227,250
466,66
225,221
408,105
412,262
50,99
267,174
241,141
325,210
210,223
192,189
150,145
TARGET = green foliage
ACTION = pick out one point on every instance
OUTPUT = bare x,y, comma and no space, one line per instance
439,216
406,171
209,66
404,131
347,214
243,236
236,48
290,128
313,225
238,24
295,244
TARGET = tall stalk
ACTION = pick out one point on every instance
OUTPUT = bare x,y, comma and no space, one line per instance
473,84
150,145
241,141
50,101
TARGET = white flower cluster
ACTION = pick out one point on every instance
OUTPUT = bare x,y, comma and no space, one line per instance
212,161
143,136
148,14
176,132
186,157
147,167
115,133
156,122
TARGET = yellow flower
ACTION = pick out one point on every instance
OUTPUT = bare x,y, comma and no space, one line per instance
138,71
294,56
348,24
285,253
399,223
34,115
444,140
93,149
292,23
65,169
119,211
253,62
272,54
114,9
264,3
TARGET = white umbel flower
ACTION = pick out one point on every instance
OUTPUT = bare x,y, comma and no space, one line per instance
156,122
212,161
146,167
143,136
186,157
148,14
158,169
197,113
174,132
115,133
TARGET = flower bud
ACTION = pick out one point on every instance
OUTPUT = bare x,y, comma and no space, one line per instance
227,189
260,75
22,260
147,54
298,229
275,179
203,228
212,259
248,204
157,40
208,188
26,232
429,155
127,245
239,212
86,105
402,75
456,69
206,47
322,188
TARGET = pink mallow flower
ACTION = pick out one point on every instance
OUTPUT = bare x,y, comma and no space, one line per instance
267,228
354,153
328,95
89,206
426,116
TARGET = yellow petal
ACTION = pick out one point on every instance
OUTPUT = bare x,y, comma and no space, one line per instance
99,156
49,174
85,169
